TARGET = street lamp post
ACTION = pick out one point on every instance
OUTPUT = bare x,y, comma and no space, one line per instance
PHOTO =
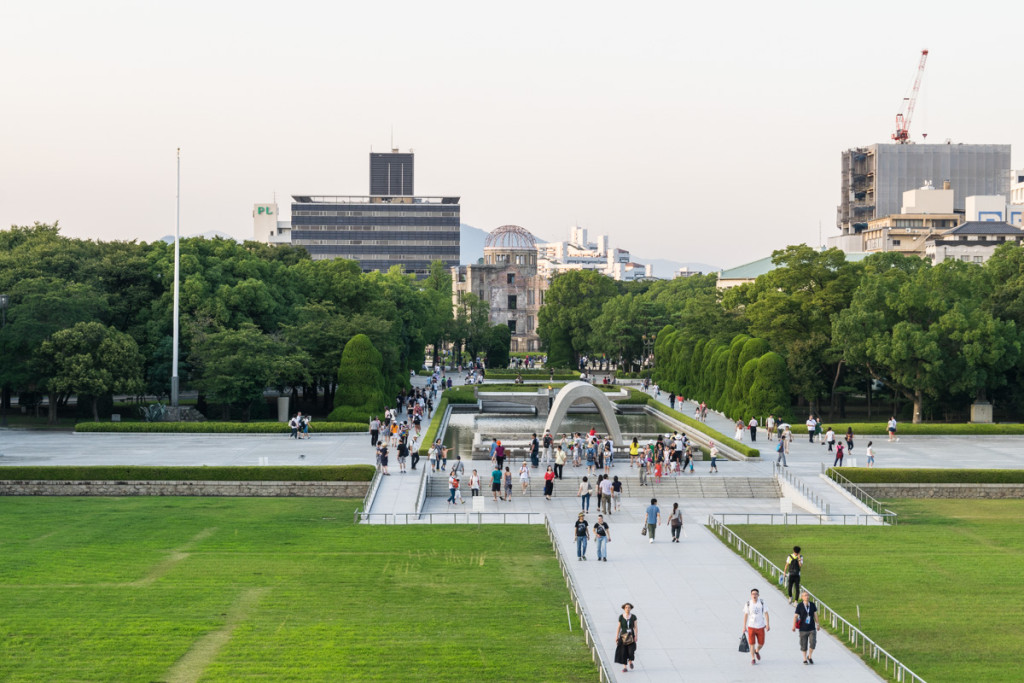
648,340
4,302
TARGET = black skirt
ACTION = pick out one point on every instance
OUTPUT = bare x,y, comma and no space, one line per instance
624,653
549,487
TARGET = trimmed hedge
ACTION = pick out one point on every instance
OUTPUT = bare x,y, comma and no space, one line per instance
874,475
435,423
460,395
925,429
133,473
636,398
216,427
712,433
528,388
531,374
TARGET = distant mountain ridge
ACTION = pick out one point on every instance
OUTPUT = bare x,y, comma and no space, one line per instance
472,249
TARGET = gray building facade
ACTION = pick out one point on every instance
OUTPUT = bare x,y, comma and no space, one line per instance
875,177
391,173
379,231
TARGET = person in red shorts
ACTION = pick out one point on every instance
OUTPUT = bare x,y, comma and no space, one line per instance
755,621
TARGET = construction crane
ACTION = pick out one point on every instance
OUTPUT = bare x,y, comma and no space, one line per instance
902,134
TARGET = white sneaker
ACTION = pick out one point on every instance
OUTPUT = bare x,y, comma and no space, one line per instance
651,541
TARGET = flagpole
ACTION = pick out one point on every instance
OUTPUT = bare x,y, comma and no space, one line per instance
177,263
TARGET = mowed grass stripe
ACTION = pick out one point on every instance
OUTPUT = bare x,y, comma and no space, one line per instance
934,591
337,601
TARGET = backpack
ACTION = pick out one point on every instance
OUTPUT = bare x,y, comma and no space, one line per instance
793,564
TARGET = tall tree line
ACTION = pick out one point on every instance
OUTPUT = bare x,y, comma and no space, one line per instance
935,337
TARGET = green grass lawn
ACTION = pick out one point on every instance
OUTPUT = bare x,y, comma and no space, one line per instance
219,589
939,591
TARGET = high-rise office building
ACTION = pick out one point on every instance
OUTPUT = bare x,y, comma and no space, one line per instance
875,177
379,232
391,173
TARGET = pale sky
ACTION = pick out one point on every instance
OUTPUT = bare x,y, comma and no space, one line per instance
706,131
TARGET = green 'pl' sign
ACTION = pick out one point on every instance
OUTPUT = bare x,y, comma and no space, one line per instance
264,209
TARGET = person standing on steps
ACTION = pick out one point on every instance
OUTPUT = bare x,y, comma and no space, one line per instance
806,619
604,536
508,485
582,533
625,638
534,452
559,462
474,484
584,493
653,519
606,495
496,483
794,561
756,624
675,522
549,483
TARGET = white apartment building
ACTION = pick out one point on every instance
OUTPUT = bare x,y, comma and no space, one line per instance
579,253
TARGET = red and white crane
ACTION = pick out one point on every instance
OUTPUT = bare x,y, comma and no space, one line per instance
902,134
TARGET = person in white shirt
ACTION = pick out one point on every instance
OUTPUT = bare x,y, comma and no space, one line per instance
755,622
769,424
830,439
812,425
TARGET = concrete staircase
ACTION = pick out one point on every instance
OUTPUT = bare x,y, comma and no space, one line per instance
683,486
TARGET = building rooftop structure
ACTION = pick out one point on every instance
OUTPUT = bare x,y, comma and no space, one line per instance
748,272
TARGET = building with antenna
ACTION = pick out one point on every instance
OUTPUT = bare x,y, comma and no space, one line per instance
390,226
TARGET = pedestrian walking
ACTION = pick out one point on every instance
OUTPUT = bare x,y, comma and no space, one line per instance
582,533
508,485
603,534
675,522
812,424
634,451
617,493
806,620
713,452
756,624
374,430
891,428
830,439
753,429
780,457
382,456
625,638
584,492
474,484
452,484
524,477
549,483
606,495
653,519
769,425
849,440
496,483
794,562
870,452
839,456
559,462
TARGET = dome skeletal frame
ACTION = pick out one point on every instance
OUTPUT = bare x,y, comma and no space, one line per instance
511,237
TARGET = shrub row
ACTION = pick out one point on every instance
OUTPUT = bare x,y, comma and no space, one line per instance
132,473
712,433
531,374
215,427
927,429
435,422
460,395
527,388
860,475
636,398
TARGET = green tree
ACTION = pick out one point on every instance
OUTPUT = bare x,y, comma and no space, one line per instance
499,344
769,391
571,305
360,382
92,359
235,366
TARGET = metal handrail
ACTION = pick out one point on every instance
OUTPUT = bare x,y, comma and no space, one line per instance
798,517
854,636
861,495
604,673
421,495
371,492
800,486
460,517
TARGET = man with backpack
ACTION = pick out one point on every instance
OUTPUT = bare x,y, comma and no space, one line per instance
794,561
